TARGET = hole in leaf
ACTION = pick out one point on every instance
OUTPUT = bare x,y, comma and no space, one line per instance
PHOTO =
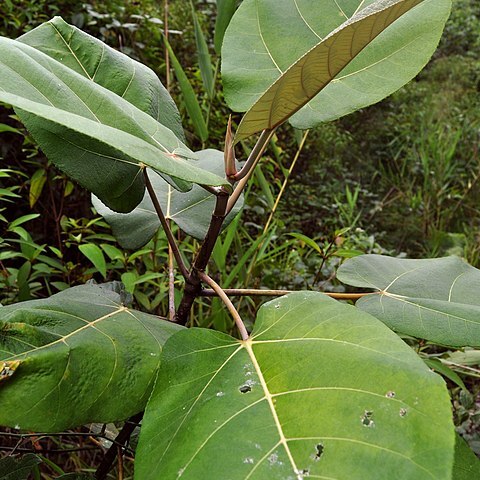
319,451
403,412
390,395
305,472
367,420
273,460
245,388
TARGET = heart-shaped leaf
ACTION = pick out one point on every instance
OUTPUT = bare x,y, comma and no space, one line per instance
191,211
110,68
320,390
77,357
343,55
92,134
436,299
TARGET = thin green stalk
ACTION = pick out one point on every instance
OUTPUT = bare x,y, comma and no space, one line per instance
228,303
285,181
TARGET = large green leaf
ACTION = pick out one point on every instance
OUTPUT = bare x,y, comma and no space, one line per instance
321,390
435,299
110,68
191,211
466,465
79,356
92,134
279,66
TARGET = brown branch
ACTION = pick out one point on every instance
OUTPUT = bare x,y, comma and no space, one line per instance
165,226
245,292
192,286
122,439
171,285
228,303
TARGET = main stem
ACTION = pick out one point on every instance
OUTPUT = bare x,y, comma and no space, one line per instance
223,206
193,281
122,439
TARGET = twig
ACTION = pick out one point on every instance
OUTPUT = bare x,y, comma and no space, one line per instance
244,174
165,226
171,285
47,450
245,292
120,463
122,439
228,303
255,154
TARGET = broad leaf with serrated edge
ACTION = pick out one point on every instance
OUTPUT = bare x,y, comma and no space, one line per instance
77,357
110,68
191,211
320,390
275,67
436,299
92,134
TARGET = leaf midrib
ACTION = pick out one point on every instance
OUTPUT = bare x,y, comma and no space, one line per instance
283,441
63,339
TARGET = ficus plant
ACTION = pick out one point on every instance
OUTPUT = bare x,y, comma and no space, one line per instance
319,388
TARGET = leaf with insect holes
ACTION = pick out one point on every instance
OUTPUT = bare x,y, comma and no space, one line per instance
436,299
77,357
320,390
329,59
191,211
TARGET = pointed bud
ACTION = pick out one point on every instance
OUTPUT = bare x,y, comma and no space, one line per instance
229,153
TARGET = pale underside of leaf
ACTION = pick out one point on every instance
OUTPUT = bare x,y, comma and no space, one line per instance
318,67
191,211
260,48
436,299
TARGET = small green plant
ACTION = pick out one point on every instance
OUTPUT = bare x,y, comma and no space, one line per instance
312,387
